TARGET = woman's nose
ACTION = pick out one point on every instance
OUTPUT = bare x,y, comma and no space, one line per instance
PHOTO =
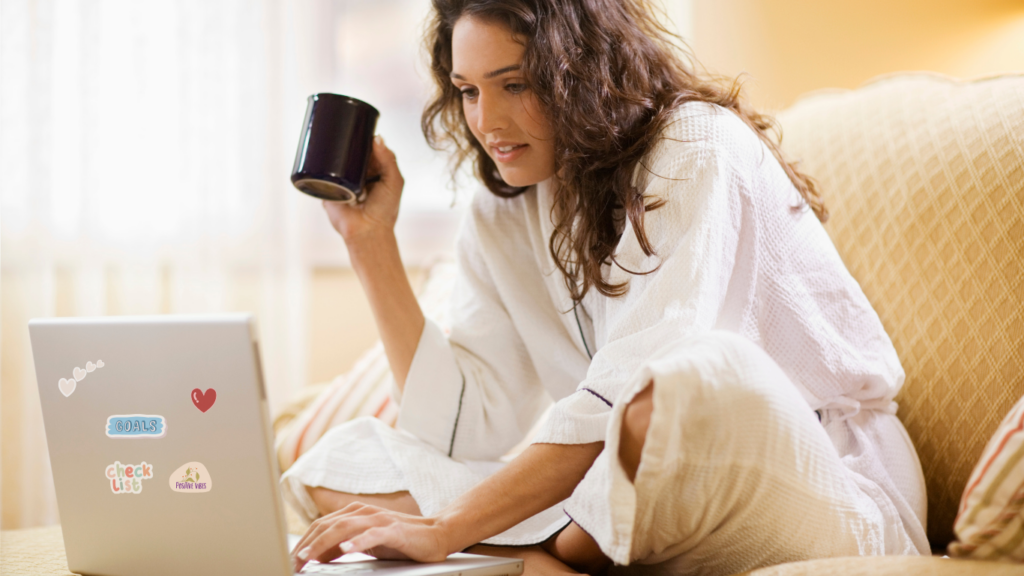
490,116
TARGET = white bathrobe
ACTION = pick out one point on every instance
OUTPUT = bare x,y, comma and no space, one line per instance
736,252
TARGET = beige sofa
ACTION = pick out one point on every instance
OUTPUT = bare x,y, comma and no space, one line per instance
924,177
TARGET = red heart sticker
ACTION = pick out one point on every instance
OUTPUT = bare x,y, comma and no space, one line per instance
204,401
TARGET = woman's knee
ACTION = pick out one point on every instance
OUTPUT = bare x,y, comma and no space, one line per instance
722,376
636,419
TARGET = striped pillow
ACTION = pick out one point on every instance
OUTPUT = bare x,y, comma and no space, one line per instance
990,522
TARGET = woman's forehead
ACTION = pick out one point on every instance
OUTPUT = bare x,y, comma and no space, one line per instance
483,49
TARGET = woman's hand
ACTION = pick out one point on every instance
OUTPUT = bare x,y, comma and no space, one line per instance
379,211
375,531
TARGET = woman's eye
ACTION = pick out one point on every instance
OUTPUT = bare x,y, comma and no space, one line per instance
468,93
515,88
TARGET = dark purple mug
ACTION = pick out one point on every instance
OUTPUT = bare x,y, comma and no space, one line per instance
335,148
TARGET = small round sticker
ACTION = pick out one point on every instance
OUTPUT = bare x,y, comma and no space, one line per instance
191,478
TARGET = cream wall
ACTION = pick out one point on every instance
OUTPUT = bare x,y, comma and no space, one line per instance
789,47
341,324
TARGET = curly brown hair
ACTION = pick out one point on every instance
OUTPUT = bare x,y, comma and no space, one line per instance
609,77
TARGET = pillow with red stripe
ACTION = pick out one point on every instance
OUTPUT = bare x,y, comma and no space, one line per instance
990,522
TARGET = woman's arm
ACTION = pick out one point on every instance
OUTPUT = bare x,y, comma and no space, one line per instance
542,476
369,233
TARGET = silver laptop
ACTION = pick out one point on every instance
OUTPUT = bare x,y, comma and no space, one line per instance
162,451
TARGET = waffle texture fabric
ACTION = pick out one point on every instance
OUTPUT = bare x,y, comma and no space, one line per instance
734,252
924,176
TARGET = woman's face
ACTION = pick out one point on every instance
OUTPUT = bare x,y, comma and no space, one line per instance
503,113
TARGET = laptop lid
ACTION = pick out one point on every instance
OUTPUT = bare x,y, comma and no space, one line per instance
160,445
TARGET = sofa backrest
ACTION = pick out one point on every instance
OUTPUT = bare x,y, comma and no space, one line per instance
924,178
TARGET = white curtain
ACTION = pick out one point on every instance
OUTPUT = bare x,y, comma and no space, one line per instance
145,150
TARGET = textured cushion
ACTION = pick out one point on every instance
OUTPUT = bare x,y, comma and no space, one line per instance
924,177
990,523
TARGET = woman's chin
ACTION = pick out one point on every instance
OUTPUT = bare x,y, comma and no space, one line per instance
521,179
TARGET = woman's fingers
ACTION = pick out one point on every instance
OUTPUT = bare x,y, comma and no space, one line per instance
329,554
373,539
323,539
379,532
302,552
384,165
415,539
341,530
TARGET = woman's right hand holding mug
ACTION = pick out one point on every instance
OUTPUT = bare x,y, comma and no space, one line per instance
366,221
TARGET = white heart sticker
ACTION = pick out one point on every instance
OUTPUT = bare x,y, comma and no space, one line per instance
79,374
89,366
99,363
67,386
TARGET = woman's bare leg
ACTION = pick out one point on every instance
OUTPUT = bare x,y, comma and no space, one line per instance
635,422
536,561
578,550
328,501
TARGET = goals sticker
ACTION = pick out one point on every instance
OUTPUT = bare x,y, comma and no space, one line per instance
136,426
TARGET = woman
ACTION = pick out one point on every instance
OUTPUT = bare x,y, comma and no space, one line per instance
645,258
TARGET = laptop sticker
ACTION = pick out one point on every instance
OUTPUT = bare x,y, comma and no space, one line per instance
127,478
202,400
136,426
67,386
191,478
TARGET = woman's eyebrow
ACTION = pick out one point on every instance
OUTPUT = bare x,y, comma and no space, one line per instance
490,75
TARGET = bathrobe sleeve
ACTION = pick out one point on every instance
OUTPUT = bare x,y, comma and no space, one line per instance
477,383
700,256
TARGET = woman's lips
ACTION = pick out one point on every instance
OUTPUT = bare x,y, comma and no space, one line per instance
517,151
